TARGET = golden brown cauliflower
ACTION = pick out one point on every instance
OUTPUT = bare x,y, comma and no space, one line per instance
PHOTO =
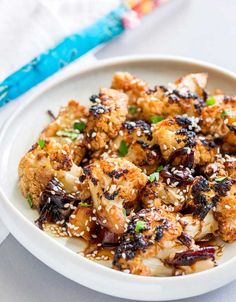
186,96
130,85
152,246
136,138
218,119
114,184
159,194
225,212
105,118
34,172
41,164
65,129
179,143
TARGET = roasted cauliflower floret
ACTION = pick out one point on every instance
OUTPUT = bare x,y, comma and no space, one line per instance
67,129
218,119
34,171
136,138
38,166
151,244
179,143
198,229
130,85
225,212
159,194
183,97
105,118
114,185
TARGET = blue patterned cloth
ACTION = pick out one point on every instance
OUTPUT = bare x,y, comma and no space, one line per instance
68,50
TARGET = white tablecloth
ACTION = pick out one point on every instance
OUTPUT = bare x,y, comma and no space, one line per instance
204,29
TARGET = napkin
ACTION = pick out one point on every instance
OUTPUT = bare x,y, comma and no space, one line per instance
29,27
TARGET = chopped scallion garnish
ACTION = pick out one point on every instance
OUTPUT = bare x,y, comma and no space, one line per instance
123,149
160,168
41,143
133,109
226,112
29,199
79,126
156,119
210,101
220,179
154,176
70,134
140,225
85,204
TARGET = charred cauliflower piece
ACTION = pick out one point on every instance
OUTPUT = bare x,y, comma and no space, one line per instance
114,185
136,136
151,245
186,96
219,119
180,144
38,166
225,212
34,171
159,194
105,118
65,129
130,85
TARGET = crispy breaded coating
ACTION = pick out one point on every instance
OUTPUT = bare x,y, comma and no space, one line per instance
105,118
130,85
34,171
219,120
151,233
114,185
153,238
225,212
158,194
194,82
141,150
38,166
183,97
61,128
177,138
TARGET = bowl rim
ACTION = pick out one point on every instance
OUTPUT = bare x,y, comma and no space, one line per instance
9,213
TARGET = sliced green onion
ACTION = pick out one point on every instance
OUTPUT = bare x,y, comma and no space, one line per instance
70,134
85,204
79,126
226,112
154,176
160,168
220,179
123,149
156,119
29,199
124,212
133,109
140,225
41,143
210,101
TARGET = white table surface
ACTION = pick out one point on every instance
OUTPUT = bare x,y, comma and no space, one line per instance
204,29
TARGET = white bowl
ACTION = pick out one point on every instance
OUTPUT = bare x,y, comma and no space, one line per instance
20,132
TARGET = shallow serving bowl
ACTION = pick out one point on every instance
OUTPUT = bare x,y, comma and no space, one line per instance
21,131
